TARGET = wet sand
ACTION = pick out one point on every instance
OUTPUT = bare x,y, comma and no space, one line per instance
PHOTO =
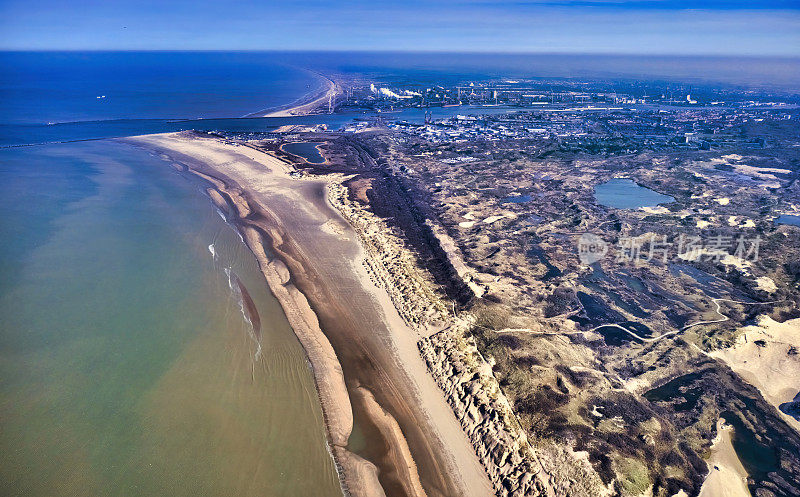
364,358
249,308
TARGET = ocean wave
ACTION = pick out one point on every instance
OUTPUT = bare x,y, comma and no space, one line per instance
247,307
221,214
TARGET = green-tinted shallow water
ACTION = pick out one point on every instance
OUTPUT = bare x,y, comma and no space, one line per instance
126,364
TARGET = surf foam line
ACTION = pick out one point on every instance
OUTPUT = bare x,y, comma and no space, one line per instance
357,476
248,309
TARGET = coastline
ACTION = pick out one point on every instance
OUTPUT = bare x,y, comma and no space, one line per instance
307,104
364,360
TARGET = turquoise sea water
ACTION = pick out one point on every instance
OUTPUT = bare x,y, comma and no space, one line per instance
127,366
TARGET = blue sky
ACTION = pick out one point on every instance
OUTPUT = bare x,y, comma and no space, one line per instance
714,27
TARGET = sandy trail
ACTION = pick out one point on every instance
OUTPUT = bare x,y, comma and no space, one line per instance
718,310
364,358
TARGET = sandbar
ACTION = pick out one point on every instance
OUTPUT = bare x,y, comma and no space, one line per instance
363,356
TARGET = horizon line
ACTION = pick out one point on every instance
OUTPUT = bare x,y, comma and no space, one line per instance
398,51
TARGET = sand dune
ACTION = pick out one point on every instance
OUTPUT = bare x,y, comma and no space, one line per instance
762,355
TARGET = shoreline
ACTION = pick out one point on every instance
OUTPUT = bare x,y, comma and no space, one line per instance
305,105
325,368
419,447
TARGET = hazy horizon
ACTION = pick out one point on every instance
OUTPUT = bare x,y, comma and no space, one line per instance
645,27
749,71
407,51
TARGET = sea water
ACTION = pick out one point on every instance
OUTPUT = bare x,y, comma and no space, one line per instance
56,87
127,364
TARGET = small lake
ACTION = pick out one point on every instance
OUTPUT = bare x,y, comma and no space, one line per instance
622,193
306,150
788,219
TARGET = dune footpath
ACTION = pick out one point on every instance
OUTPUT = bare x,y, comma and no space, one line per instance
363,356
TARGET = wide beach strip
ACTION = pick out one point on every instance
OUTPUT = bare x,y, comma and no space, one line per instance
313,261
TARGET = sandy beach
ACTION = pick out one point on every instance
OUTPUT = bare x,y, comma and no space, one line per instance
309,105
363,356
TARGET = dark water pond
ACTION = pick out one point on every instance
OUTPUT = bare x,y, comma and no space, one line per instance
788,219
537,253
306,150
627,194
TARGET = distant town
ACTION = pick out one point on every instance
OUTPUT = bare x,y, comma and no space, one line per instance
603,239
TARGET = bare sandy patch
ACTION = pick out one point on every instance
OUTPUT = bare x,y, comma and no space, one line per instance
655,210
763,355
765,283
701,223
726,477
